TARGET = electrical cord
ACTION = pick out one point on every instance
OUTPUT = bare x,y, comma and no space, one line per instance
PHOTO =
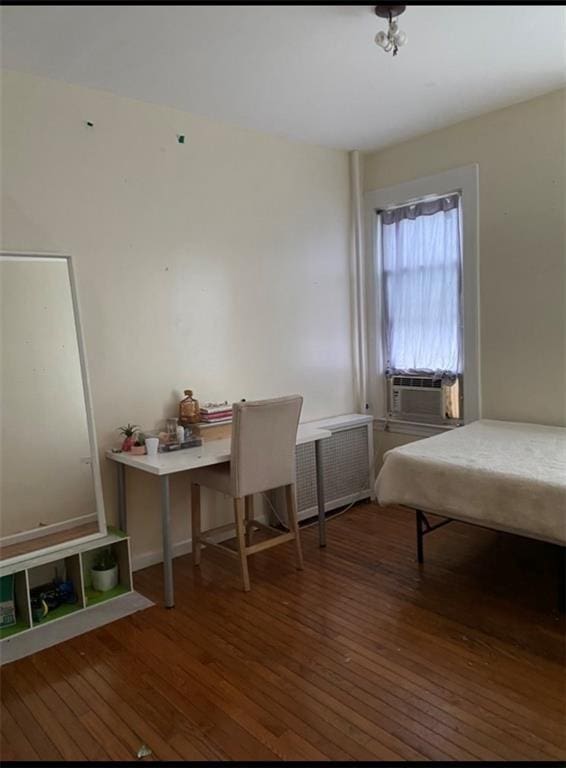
315,521
332,514
281,523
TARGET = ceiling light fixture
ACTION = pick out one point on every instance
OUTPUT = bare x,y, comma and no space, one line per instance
394,38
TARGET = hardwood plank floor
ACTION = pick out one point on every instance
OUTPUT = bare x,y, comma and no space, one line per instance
362,656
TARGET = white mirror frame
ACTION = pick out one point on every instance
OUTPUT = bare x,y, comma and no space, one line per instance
95,462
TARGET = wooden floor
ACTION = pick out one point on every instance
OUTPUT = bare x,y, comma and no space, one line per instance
362,656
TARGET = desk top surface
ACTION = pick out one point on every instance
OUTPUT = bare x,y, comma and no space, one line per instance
210,452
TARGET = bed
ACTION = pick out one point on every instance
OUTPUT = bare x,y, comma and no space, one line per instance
497,474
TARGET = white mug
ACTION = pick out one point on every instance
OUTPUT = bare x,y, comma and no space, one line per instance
151,445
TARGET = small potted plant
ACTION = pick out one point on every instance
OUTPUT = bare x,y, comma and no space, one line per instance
138,448
104,572
128,431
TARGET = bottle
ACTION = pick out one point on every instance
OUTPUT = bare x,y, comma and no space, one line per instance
188,409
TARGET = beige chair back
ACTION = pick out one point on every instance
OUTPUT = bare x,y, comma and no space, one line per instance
264,434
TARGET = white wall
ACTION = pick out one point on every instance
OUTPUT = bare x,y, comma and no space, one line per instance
521,151
221,264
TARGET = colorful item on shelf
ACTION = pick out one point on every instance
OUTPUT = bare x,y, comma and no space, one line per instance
7,601
39,609
51,596
188,409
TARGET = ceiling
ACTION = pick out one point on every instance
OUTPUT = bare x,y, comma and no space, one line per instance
311,73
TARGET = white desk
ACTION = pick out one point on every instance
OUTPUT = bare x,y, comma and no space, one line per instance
210,452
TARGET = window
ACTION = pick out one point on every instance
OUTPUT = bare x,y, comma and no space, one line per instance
418,300
421,280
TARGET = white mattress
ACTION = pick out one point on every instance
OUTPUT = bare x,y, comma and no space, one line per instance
498,474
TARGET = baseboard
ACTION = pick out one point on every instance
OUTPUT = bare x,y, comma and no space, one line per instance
46,530
180,548
185,547
146,559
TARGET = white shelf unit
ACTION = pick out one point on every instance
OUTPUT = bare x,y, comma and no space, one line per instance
68,562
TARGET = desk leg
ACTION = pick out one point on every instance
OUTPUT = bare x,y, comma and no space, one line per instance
167,550
122,514
320,493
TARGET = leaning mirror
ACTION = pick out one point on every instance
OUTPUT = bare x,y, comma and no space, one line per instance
50,489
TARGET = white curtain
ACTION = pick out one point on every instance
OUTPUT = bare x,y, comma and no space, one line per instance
421,250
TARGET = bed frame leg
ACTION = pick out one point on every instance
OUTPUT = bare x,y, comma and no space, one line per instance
420,536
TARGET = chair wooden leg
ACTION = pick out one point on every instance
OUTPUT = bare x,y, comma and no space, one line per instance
195,522
291,501
249,520
241,536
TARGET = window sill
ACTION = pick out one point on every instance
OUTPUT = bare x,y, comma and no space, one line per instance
415,428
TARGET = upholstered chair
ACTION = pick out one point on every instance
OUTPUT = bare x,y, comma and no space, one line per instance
264,434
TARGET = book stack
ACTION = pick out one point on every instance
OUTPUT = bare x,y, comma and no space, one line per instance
215,421
216,413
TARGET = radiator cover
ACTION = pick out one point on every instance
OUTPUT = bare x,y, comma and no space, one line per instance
347,459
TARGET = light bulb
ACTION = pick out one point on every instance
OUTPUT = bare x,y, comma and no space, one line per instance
381,39
400,39
393,27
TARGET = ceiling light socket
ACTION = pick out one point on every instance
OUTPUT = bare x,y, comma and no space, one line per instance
389,11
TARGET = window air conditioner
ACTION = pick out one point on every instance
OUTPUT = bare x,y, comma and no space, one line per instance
424,399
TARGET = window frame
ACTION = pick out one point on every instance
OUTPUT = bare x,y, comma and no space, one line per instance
465,181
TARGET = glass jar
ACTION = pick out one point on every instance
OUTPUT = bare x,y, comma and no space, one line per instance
171,429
